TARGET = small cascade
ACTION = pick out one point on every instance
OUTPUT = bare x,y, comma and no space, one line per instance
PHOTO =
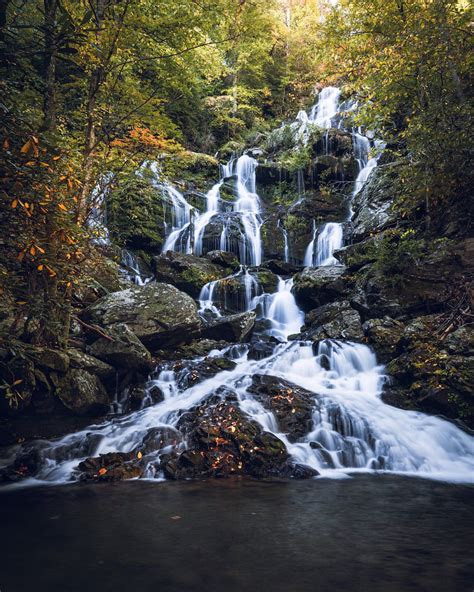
179,235
286,248
207,299
284,316
326,109
330,239
309,255
132,268
323,244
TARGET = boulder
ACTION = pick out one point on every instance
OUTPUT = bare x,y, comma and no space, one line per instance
372,206
385,336
159,314
233,328
79,359
292,404
321,285
224,259
337,320
113,466
83,393
223,441
51,359
187,272
124,351
191,373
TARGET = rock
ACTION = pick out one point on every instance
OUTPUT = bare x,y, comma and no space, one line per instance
144,395
292,405
321,285
337,320
158,438
158,314
385,336
233,328
114,466
224,259
373,204
266,279
125,352
83,393
79,359
261,349
100,276
461,341
280,267
191,373
223,441
187,272
53,359
357,255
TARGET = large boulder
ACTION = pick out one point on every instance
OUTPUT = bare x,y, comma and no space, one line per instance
234,328
122,350
160,315
317,286
292,404
337,320
188,272
83,393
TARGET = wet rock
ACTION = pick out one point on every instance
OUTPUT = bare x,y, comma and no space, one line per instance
114,466
260,350
144,395
234,328
357,255
191,373
188,272
125,351
373,204
83,393
79,359
158,438
266,279
224,259
292,405
159,314
385,336
321,285
223,441
280,267
100,275
337,320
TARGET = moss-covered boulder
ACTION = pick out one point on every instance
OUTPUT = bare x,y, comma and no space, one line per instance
187,272
135,214
121,349
336,320
160,315
83,393
314,287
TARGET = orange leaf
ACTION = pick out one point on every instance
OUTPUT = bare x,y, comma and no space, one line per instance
40,267
62,207
32,251
14,203
102,471
26,147
6,144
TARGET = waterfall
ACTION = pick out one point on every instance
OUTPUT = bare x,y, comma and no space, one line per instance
286,247
188,228
284,316
320,251
132,268
326,108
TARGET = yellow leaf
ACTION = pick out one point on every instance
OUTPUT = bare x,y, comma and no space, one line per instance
19,381
62,207
139,455
14,203
40,267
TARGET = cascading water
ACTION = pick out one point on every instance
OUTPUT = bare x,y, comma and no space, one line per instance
325,110
352,429
323,244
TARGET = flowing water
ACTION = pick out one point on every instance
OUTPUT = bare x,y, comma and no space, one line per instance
352,429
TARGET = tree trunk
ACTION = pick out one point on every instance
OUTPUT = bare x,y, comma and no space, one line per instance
49,64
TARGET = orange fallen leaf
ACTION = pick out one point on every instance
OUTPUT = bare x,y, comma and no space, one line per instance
102,471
